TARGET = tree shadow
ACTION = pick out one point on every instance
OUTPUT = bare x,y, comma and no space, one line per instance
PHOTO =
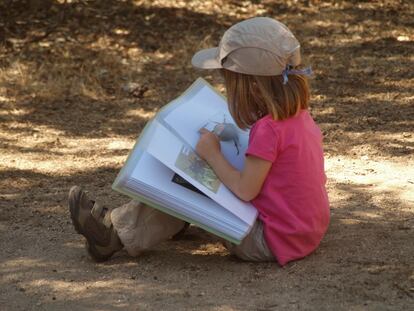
90,53
355,261
81,58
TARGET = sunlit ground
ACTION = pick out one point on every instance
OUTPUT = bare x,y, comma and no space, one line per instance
78,82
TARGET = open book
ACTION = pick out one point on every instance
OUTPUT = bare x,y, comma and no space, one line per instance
164,171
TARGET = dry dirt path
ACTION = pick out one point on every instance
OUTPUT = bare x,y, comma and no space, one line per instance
79,80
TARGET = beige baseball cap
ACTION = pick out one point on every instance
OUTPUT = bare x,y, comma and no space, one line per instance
257,46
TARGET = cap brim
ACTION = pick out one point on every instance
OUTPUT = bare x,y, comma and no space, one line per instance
206,59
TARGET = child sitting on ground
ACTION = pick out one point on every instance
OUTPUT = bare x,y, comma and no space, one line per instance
283,176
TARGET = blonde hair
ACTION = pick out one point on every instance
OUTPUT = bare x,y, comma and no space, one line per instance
252,97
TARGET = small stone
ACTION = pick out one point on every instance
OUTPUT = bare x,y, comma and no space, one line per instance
368,70
130,86
403,38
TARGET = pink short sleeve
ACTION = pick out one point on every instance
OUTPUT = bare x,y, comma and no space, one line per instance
262,141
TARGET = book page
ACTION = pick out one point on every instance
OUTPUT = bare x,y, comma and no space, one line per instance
207,109
179,157
154,174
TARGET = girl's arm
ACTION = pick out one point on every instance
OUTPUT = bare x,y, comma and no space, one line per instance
245,184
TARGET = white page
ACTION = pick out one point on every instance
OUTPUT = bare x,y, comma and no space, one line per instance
205,109
154,174
231,225
170,150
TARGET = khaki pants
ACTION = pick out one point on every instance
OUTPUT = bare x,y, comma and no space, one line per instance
141,227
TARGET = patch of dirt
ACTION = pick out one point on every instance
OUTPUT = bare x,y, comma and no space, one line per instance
78,81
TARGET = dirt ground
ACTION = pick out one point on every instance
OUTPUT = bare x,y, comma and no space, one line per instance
78,81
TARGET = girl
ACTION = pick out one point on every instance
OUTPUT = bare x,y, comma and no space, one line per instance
283,175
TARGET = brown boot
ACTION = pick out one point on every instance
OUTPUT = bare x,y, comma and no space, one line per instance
93,221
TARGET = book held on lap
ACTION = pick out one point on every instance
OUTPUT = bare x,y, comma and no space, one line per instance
164,171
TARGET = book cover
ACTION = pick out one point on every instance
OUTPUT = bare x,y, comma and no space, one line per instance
165,150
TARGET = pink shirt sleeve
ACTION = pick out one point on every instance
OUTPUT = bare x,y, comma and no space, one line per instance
262,141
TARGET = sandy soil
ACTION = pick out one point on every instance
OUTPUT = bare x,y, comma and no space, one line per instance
78,81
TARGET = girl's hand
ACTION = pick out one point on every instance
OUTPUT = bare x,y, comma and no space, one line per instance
208,145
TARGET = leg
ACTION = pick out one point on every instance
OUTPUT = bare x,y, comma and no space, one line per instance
141,227
253,247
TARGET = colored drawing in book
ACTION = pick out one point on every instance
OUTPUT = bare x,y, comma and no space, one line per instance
191,164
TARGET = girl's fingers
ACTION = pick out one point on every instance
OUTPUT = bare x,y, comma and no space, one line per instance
203,130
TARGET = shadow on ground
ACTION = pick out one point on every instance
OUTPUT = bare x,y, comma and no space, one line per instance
110,59
74,76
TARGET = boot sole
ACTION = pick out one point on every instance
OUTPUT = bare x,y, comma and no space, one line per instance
74,212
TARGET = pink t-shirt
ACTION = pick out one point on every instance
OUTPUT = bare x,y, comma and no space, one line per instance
293,203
